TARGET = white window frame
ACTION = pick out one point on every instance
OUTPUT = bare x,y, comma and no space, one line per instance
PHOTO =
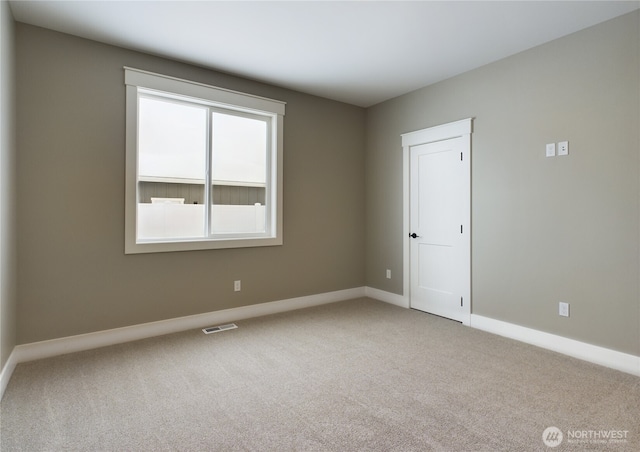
138,81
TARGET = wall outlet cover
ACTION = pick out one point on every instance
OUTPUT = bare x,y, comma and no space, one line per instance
563,148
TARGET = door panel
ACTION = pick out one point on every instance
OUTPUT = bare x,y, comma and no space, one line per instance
439,201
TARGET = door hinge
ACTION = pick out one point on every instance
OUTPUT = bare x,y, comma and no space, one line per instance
461,156
461,303
460,229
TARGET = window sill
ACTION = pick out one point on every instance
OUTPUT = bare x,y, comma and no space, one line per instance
133,247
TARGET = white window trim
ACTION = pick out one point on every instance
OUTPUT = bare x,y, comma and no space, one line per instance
134,79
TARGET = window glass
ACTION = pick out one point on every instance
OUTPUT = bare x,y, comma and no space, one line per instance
239,174
172,151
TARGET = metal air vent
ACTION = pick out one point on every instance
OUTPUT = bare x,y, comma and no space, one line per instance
217,329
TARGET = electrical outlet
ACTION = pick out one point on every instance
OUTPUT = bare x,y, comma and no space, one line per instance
237,286
563,309
563,148
388,274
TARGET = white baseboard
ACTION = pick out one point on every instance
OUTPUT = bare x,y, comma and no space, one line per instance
7,371
587,352
46,349
581,350
387,297
82,342
55,347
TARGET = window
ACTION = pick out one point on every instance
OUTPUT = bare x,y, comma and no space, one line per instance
203,166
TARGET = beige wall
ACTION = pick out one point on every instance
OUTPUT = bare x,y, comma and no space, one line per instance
544,229
8,275
73,275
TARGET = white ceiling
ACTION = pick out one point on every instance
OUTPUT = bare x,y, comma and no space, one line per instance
359,52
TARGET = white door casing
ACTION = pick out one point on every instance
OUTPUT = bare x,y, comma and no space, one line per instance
437,209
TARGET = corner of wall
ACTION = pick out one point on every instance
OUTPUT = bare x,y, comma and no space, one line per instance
8,229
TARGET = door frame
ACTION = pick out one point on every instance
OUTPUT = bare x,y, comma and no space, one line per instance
462,128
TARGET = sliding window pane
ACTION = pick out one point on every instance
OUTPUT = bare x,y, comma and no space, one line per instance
172,149
238,174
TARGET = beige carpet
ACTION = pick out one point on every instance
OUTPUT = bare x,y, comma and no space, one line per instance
359,375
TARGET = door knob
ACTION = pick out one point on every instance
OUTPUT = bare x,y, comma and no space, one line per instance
414,235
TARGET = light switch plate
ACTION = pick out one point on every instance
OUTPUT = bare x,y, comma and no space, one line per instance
551,150
563,309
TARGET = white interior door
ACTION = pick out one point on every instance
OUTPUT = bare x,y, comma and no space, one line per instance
439,232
